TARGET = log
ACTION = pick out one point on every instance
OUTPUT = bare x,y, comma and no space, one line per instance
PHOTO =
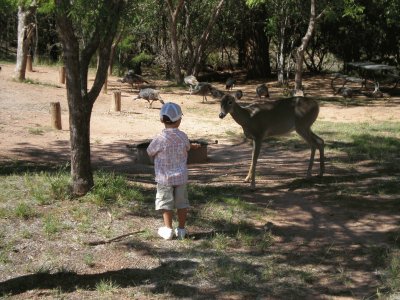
116,101
62,75
55,111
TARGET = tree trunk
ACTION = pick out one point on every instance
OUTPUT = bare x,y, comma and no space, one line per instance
259,65
112,52
173,15
282,56
26,31
80,100
300,50
202,43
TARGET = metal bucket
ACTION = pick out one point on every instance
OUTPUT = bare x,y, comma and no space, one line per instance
195,156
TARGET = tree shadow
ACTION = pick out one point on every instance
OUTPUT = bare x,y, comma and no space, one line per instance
162,278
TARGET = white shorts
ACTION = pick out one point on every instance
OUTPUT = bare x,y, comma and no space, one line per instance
170,197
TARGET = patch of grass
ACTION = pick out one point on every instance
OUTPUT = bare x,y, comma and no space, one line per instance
255,240
37,82
83,216
5,248
391,276
24,211
88,259
46,188
36,131
51,225
4,212
106,286
111,189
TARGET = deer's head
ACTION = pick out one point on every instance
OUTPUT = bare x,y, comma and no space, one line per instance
227,104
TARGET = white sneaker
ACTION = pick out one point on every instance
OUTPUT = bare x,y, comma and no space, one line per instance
180,233
166,233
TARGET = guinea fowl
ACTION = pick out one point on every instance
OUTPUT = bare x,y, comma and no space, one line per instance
238,94
262,90
230,83
345,92
202,89
150,95
133,79
192,81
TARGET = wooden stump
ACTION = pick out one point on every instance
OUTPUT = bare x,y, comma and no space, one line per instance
116,101
62,75
55,111
29,63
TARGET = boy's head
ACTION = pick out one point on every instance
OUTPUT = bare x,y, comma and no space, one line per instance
170,113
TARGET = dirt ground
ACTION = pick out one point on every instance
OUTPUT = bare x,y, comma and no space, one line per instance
26,134
26,124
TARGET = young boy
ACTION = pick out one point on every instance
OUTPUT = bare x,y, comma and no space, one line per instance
169,150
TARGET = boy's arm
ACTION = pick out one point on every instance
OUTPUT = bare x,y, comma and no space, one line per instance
194,146
152,148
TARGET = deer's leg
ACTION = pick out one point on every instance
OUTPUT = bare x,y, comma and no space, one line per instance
251,176
315,142
320,146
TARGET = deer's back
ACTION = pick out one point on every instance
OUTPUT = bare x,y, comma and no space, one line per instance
281,116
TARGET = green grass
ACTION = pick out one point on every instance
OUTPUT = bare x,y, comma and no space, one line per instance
52,225
111,189
36,131
106,286
24,211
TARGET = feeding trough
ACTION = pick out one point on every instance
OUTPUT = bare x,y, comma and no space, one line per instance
195,156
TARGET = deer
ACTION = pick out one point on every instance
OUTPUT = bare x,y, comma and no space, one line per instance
274,118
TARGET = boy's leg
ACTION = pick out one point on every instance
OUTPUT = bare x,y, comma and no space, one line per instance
182,213
165,203
167,216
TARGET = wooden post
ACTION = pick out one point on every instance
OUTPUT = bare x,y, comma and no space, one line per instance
62,74
55,111
116,101
29,63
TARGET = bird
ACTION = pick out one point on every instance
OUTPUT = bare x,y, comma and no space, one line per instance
192,81
133,79
377,92
150,95
345,92
262,90
230,83
202,88
238,94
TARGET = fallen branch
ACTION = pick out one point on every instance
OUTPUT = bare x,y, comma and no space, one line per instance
115,239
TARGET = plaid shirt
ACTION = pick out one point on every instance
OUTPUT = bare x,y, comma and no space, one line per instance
170,151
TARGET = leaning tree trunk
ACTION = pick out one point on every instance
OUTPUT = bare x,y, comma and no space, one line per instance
203,41
26,32
301,49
